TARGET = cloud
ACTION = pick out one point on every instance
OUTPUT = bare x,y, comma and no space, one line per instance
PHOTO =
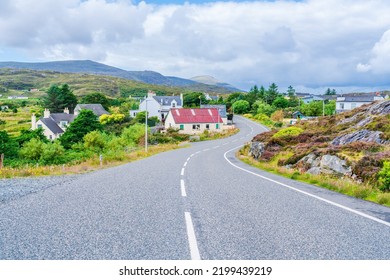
311,43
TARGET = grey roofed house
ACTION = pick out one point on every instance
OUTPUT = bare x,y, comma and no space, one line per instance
97,109
221,109
167,100
57,118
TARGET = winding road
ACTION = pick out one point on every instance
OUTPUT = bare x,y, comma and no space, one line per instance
192,203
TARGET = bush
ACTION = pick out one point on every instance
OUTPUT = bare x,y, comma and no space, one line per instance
277,116
241,107
32,149
133,134
288,132
95,141
52,153
384,177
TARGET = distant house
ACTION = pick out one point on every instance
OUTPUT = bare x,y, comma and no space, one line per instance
221,110
297,115
194,121
97,109
55,124
158,106
347,103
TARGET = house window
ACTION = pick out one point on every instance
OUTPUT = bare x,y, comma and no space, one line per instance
353,105
39,126
63,123
182,127
207,126
342,106
173,104
196,127
217,126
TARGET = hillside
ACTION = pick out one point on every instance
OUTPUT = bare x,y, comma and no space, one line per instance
351,145
209,80
95,68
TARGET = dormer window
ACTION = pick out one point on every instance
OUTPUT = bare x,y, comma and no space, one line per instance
173,104
63,123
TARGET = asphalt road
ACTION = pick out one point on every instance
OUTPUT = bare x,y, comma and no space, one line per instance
192,203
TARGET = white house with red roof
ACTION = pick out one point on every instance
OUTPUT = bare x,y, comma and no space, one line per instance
194,121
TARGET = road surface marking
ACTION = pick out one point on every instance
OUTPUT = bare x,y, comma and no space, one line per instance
191,237
188,159
225,144
197,152
185,164
183,188
182,172
306,193
205,150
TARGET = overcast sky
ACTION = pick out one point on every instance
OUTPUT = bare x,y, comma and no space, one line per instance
307,44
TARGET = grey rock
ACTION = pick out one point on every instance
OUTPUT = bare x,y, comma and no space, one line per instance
333,164
256,149
326,164
361,135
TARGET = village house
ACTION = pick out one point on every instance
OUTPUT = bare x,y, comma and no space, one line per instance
55,124
347,103
221,109
158,106
194,121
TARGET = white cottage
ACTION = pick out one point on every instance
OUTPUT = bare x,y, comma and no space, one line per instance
194,121
347,103
158,106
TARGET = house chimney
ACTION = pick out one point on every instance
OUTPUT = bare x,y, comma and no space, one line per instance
181,98
33,122
46,114
66,110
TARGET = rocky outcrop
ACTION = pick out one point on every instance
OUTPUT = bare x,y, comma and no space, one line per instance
381,108
326,164
256,149
361,135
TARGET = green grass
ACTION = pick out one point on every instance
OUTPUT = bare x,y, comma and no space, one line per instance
15,122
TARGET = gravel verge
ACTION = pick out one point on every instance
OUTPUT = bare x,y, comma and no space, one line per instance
11,189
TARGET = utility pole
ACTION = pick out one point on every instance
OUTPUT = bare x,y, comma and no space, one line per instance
146,126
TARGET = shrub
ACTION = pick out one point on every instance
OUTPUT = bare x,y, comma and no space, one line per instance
95,141
32,149
133,134
241,107
384,177
277,116
288,132
52,153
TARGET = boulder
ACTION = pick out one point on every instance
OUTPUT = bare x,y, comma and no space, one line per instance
326,164
256,149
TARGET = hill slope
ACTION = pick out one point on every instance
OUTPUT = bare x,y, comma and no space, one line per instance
353,144
92,67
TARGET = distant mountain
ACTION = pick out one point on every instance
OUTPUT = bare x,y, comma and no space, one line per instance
209,80
149,77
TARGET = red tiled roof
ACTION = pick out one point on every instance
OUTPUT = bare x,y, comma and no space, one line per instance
196,115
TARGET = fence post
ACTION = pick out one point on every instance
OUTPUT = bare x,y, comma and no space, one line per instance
1,161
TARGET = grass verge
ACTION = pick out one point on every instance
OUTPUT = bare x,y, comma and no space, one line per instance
345,186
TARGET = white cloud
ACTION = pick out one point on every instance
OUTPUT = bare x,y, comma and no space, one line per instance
312,43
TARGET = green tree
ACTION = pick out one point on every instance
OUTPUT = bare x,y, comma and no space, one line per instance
193,99
85,122
8,146
96,98
241,107
27,134
330,108
271,94
60,97
132,135
261,107
95,141
280,102
312,109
